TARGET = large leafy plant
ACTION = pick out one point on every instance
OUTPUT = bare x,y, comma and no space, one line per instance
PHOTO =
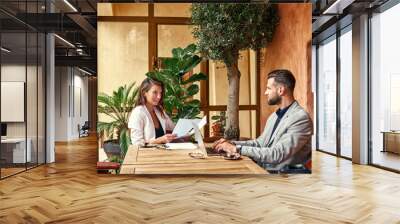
179,87
117,107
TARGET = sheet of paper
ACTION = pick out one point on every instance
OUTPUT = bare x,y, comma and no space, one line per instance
184,127
200,124
181,146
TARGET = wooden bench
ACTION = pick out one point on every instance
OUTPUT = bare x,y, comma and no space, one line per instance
105,167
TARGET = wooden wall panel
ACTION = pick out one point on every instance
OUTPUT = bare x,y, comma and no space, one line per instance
92,85
289,49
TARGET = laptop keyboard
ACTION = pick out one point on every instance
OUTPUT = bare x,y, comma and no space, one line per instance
211,152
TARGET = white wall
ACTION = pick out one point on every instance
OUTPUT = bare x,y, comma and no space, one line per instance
80,98
50,95
33,127
360,89
62,81
16,73
71,102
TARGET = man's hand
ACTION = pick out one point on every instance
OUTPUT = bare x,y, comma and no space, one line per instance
226,147
220,141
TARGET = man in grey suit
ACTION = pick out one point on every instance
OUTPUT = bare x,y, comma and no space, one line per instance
285,144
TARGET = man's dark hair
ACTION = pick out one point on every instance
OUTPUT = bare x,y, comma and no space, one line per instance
284,77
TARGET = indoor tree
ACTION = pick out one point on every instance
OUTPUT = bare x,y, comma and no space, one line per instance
223,30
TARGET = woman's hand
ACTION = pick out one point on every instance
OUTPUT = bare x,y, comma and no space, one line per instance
182,139
166,138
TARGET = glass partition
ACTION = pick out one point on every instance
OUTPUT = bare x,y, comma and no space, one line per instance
31,98
41,96
346,93
13,94
326,122
22,88
385,89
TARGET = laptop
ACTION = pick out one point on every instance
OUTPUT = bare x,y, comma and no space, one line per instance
209,151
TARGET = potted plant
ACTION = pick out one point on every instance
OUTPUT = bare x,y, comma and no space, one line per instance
179,81
218,127
117,108
223,30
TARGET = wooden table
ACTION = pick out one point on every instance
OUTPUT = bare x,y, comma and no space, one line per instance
163,161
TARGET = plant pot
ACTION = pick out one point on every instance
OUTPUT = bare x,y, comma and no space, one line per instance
216,129
112,148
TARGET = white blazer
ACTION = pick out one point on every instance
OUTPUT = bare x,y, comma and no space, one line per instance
142,126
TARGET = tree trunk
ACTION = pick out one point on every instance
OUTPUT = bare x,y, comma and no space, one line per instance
232,122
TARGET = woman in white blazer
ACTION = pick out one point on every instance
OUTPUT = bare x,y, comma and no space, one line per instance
148,121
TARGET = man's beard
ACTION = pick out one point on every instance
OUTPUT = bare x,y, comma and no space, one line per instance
274,101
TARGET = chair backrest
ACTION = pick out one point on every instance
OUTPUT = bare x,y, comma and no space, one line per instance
86,125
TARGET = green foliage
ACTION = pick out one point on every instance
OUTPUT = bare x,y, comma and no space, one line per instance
223,29
117,107
178,97
116,159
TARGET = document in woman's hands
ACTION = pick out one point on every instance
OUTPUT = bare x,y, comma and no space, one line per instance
184,127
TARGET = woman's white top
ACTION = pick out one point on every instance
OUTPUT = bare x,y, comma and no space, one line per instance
142,126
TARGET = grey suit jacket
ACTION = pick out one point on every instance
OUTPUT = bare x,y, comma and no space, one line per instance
290,144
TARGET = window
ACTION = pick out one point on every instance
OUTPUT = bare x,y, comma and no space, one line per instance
385,88
346,93
326,106
334,94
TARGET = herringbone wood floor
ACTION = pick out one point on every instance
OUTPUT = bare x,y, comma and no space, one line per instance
70,191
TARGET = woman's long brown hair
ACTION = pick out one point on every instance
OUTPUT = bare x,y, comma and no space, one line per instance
145,87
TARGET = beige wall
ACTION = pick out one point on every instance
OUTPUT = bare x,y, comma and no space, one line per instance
172,36
122,9
122,54
172,10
